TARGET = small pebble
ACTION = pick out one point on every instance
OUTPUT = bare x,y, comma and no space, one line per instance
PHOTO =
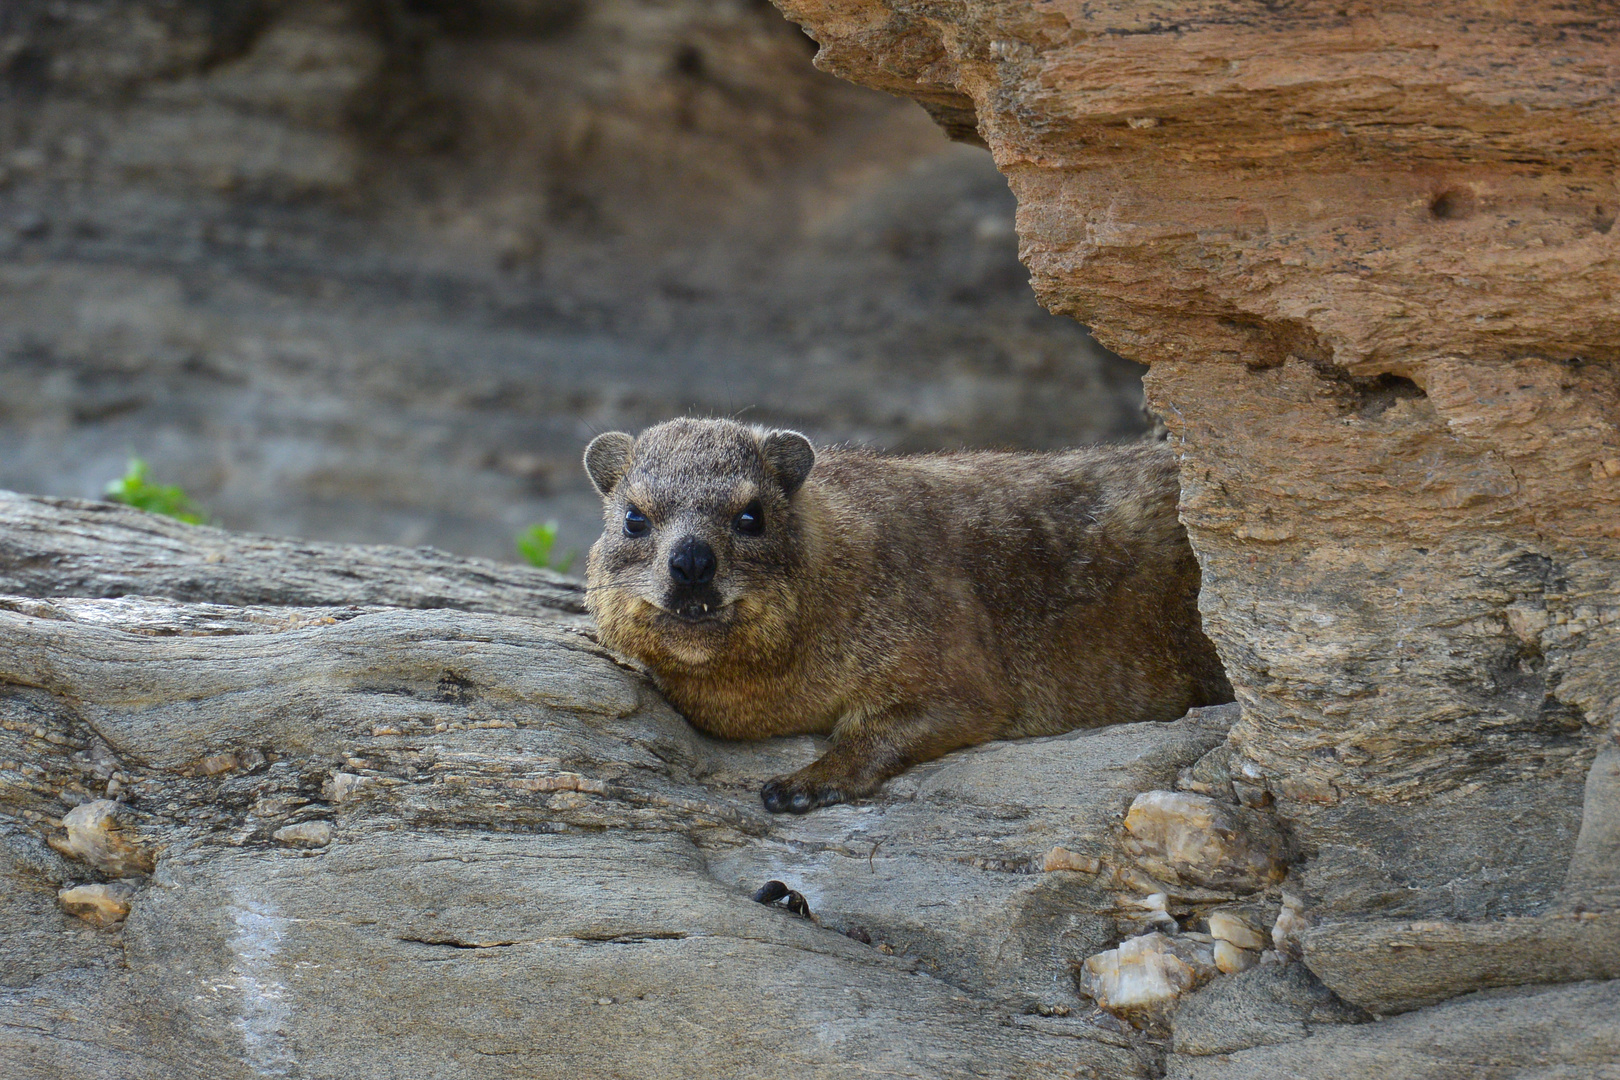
1291,923
1141,979
1064,859
307,834
1231,959
344,786
1229,926
1181,837
99,905
218,763
96,835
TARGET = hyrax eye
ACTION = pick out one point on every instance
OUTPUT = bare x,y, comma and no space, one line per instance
635,522
751,522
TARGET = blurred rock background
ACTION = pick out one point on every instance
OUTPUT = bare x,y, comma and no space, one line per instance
376,270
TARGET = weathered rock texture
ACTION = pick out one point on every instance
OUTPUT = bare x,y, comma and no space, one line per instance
376,270
1371,261
252,838
247,834
70,547
1550,1033
463,836
1380,318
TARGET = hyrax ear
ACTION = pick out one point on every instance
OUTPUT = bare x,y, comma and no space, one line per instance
789,455
607,459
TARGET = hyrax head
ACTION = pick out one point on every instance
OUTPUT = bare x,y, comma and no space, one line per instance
701,538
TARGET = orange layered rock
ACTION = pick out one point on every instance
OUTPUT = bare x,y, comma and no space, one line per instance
1369,258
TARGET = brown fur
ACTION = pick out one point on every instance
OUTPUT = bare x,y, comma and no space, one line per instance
907,606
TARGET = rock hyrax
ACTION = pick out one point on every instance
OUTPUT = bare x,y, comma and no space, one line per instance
905,606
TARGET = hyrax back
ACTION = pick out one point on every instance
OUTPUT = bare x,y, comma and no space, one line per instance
907,606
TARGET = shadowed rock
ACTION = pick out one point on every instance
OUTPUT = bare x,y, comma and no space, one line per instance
1273,1003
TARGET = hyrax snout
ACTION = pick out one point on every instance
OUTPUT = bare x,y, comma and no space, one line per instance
905,606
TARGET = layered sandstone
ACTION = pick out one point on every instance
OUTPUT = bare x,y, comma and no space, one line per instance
1369,259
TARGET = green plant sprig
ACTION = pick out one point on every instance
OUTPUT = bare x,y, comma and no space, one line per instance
537,544
135,488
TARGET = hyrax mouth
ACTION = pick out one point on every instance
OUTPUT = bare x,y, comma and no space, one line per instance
694,606
691,594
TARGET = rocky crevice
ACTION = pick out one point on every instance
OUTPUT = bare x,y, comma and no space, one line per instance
1368,258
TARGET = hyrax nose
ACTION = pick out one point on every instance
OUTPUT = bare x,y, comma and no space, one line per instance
692,562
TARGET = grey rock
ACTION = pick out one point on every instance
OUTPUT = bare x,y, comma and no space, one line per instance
1593,883
521,829
1272,1003
1210,775
40,940
163,700
413,944
1557,1033
1392,966
1500,846
380,279
69,547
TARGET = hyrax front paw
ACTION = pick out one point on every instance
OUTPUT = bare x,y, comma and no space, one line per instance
797,793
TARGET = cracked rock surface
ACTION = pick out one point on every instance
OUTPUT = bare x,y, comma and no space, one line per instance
1546,1033
260,839
380,841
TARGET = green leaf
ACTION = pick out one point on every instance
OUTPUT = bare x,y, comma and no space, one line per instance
136,489
536,544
